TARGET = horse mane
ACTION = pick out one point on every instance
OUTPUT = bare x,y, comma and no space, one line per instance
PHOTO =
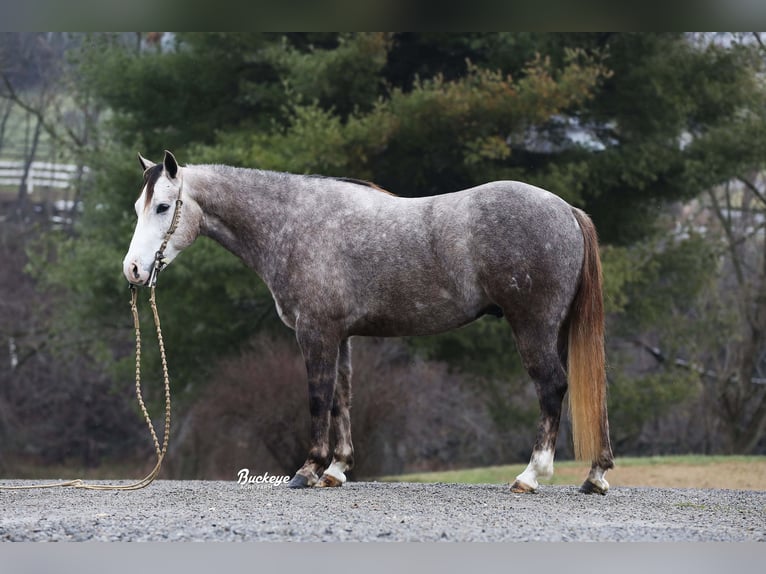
152,175
355,181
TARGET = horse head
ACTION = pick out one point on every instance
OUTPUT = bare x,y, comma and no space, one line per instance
162,232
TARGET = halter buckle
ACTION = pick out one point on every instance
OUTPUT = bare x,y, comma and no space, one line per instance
159,263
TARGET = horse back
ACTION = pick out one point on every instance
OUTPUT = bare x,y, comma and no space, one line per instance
429,264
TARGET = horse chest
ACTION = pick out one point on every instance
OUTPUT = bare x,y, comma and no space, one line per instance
287,315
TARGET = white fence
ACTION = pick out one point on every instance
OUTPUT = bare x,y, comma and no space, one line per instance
41,174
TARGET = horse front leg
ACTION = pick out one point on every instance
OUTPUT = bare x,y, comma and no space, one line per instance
343,455
320,352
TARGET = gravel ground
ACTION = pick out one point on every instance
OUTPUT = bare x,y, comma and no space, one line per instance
373,511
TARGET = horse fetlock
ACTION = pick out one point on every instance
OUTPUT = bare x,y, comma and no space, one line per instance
595,483
605,461
318,460
594,486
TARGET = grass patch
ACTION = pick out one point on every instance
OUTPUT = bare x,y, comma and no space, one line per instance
684,471
490,474
687,459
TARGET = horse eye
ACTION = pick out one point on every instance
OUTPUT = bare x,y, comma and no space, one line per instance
162,207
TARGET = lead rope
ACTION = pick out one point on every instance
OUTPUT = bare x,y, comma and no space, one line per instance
160,451
159,263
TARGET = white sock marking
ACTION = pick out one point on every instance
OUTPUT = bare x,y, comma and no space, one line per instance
540,465
596,476
337,470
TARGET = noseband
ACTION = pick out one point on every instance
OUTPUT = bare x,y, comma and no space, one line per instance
159,258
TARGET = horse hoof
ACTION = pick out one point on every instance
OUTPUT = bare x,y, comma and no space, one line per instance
589,487
328,481
521,488
298,481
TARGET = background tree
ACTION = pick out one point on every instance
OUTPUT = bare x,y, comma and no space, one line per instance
57,398
40,75
736,379
695,293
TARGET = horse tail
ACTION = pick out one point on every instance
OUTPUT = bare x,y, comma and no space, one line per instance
586,358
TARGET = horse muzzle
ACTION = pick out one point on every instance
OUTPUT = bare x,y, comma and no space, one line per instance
135,272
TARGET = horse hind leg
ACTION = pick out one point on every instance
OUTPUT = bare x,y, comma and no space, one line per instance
340,421
595,483
550,386
543,363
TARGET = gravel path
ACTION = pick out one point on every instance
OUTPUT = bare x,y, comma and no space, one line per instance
373,511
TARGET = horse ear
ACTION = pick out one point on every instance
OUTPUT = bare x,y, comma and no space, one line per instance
145,163
171,165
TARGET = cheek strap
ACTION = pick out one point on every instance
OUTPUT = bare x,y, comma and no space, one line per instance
160,261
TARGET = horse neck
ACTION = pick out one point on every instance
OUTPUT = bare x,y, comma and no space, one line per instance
243,210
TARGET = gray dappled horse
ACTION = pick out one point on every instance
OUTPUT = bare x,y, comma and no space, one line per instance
344,258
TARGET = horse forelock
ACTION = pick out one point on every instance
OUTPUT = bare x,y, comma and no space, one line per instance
151,176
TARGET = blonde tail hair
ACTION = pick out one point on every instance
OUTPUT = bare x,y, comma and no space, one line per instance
586,357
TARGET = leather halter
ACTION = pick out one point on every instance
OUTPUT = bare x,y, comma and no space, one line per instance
159,258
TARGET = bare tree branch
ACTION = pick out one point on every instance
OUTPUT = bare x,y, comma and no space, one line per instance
660,357
753,189
36,111
759,40
724,217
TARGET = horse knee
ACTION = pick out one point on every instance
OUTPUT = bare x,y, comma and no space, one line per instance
320,401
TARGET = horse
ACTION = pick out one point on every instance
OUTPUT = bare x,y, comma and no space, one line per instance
343,258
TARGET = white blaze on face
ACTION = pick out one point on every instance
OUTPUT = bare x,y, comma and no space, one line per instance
154,220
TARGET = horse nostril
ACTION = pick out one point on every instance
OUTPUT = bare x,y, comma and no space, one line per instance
134,269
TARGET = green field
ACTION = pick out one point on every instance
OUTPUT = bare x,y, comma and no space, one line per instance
687,471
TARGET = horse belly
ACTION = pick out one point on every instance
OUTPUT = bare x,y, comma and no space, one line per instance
419,315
